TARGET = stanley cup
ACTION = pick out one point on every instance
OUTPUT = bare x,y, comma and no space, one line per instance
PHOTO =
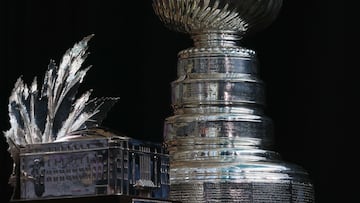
219,138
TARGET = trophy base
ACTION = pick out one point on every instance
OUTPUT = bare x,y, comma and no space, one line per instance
249,192
97,199
101,166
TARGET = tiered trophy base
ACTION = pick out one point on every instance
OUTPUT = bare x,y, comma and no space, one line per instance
97,199
249,192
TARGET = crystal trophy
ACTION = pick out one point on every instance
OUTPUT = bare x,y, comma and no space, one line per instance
219,138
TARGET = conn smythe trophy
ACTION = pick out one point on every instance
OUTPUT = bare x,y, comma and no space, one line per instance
219,139
61,150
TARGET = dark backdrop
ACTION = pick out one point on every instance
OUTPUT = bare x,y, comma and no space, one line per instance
303,61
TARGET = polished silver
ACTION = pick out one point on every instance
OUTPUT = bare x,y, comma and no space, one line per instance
61,150
219,138
94,164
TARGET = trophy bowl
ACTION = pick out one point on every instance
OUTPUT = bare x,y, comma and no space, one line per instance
199,16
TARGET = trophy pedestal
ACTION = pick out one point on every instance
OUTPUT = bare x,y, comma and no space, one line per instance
92,167
97,199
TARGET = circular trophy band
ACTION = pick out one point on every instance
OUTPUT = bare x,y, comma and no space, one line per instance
214,16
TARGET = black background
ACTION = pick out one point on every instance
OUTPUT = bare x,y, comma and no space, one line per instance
304,62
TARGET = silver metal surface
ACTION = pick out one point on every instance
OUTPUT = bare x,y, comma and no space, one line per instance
228,16
94,166
219,139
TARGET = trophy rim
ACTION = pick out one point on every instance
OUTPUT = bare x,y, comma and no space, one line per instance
217,16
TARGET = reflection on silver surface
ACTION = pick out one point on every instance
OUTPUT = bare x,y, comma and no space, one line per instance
93,164
60,149
219,139
197,16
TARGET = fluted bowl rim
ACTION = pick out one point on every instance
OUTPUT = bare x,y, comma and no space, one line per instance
197,16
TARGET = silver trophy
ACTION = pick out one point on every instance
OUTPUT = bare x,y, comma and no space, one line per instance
61,150
219,139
